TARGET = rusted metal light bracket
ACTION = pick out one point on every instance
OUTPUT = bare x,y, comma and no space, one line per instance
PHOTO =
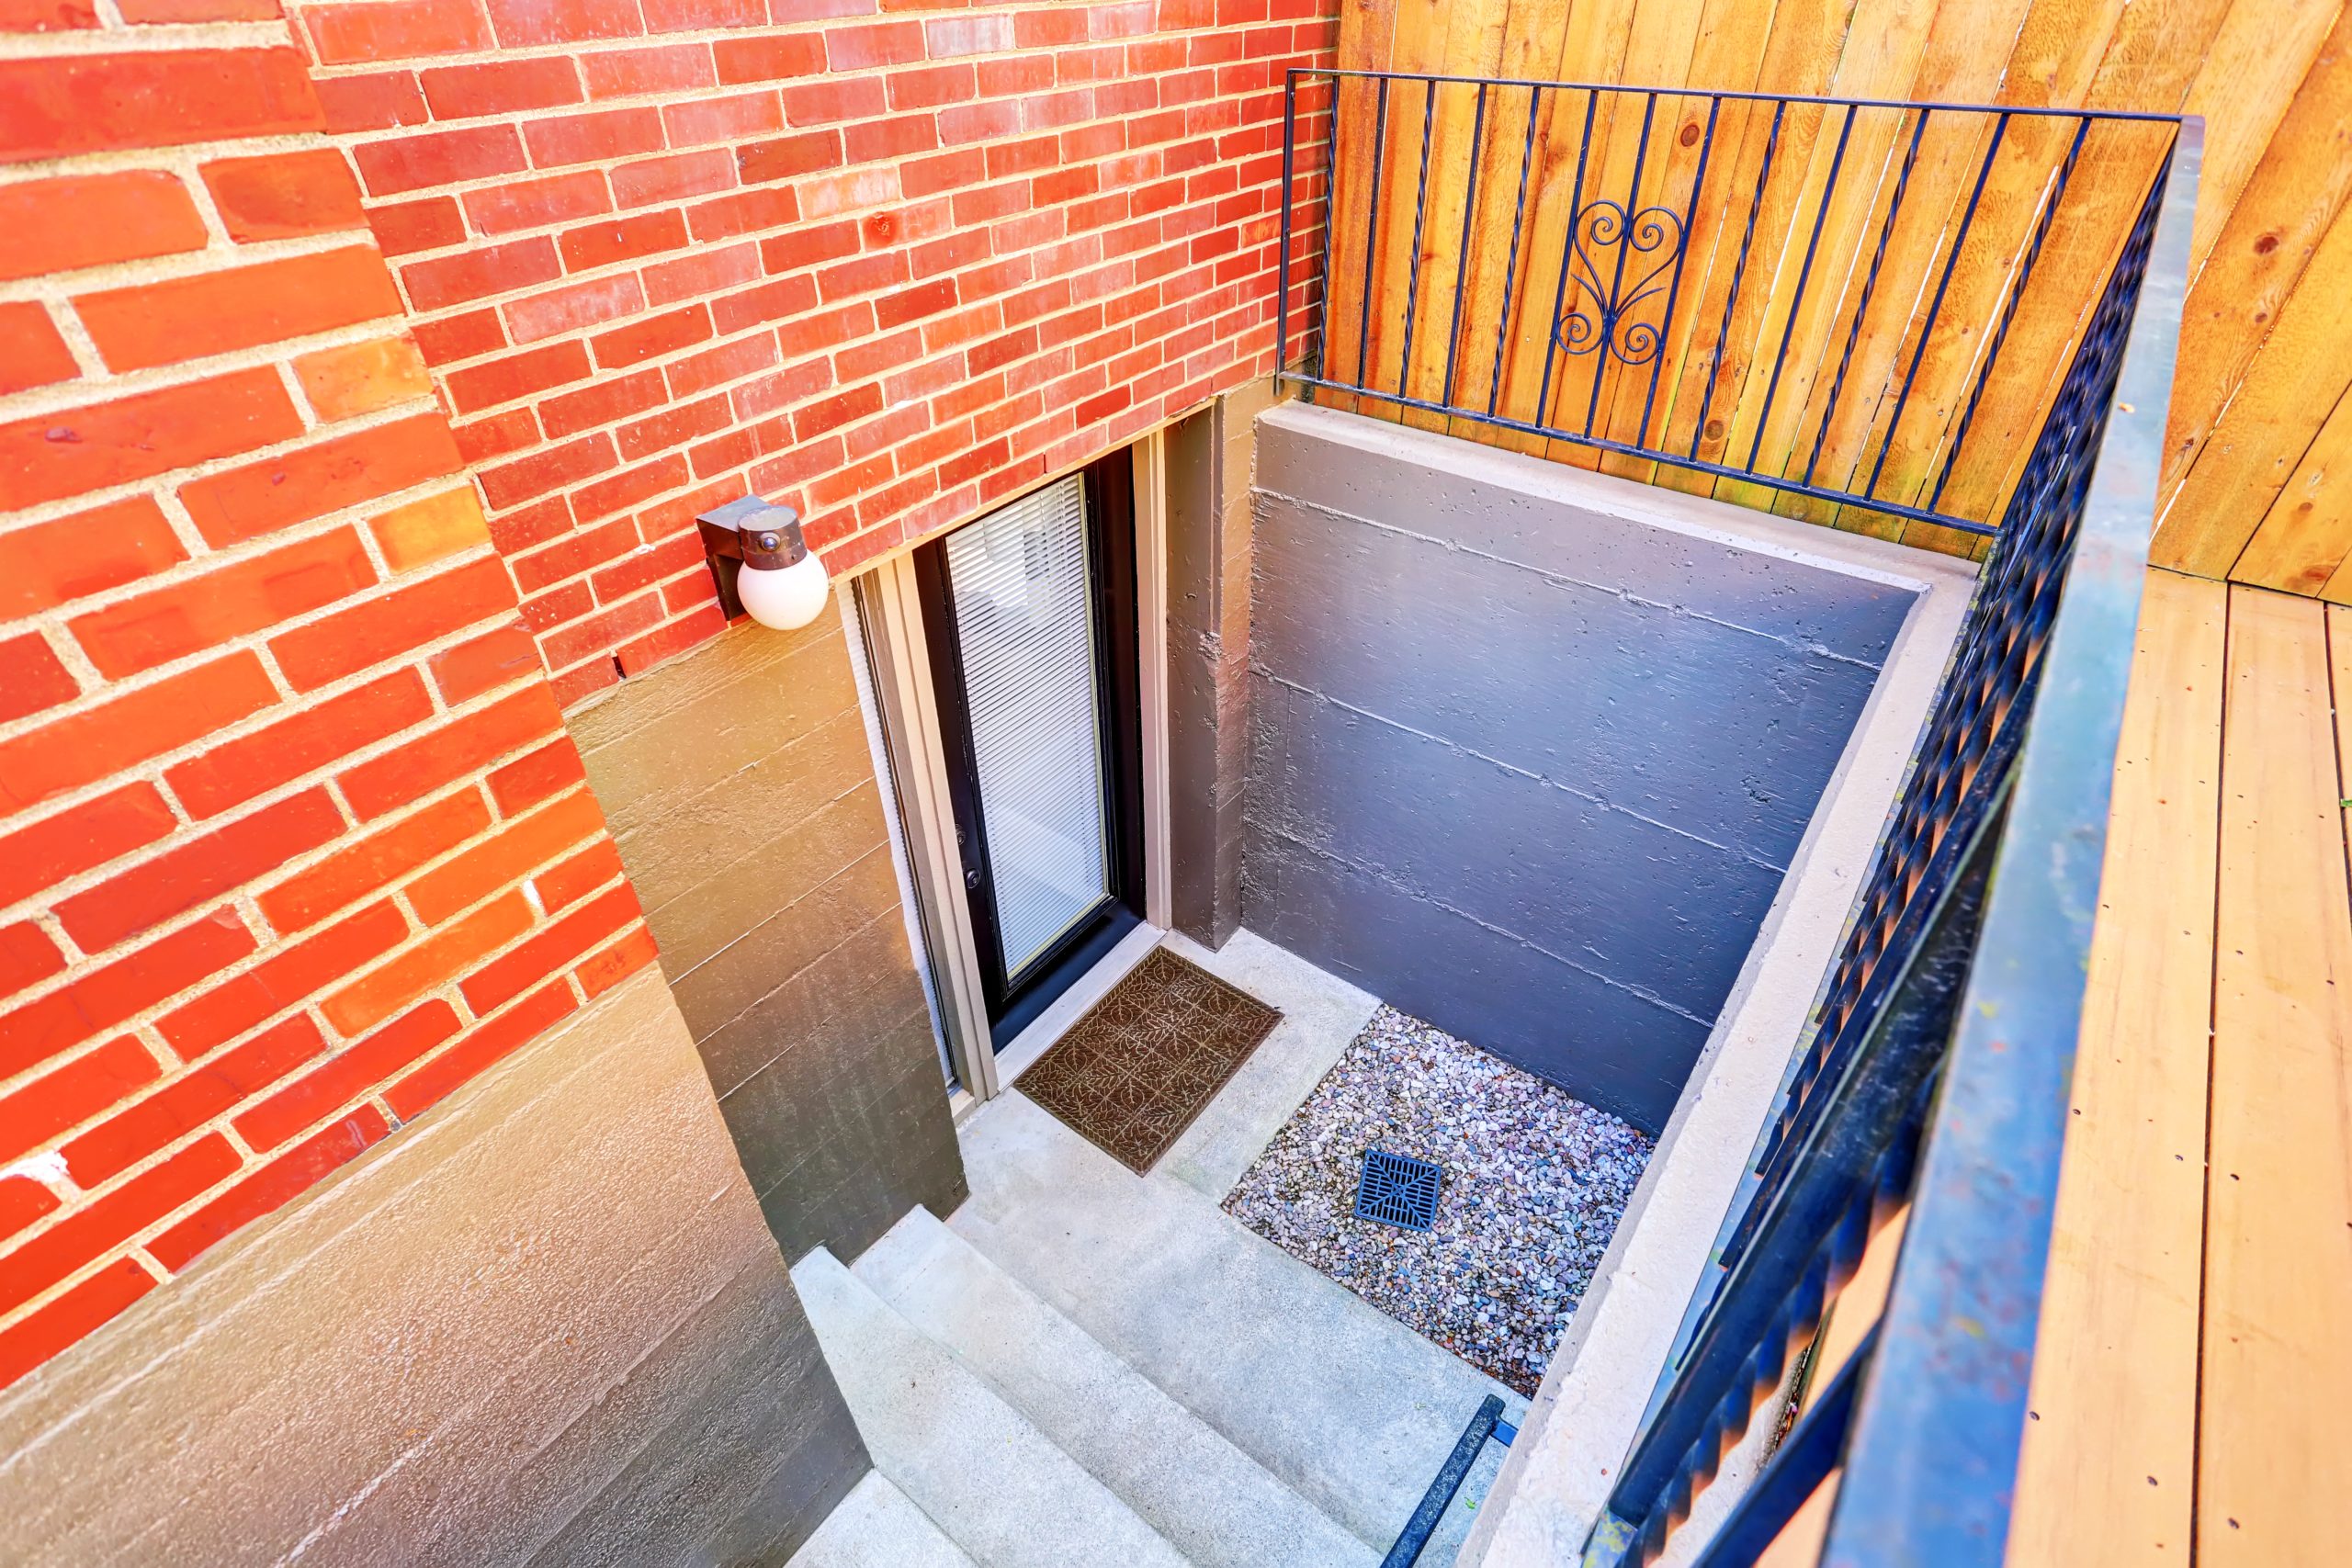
749,532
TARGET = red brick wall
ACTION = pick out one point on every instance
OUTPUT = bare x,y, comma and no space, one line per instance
886,263
292,842
292,839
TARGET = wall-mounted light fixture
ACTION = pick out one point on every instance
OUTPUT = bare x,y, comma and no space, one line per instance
763,567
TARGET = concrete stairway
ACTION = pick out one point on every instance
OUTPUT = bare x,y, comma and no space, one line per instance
1084,1368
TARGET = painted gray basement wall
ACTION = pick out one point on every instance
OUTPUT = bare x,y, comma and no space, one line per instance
1522,764
1209,525
543,1327
740,784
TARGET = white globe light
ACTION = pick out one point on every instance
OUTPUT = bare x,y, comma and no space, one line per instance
789,598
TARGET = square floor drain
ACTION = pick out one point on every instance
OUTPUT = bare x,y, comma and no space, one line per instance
1398,1190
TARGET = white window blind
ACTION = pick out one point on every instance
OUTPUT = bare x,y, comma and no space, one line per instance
1021,585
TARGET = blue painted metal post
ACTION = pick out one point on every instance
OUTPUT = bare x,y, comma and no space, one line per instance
1932,1463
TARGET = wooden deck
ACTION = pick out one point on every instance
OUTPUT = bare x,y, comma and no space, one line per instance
2192,1392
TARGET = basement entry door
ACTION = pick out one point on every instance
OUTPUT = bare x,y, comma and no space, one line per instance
1029,613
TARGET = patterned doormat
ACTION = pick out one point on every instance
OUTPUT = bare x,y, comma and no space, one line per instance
1133,1073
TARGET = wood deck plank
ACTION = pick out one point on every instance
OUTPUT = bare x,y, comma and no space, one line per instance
2114,1397
2275,1466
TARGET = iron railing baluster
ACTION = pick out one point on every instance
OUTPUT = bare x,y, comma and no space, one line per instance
1462,254
1682,252
1421,212
1511,273
1371,227
1739,269
2010,309
1935,308
1804,276
1869,284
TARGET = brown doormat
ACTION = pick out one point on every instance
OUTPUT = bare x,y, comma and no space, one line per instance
1133,1073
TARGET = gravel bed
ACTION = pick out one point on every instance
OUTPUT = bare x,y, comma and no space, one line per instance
1535,1180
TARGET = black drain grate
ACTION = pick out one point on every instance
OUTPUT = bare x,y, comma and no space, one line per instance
1398,1190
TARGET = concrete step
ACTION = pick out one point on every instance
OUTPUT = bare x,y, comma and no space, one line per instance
1348,1408
877,1526
1212,1502
996,1486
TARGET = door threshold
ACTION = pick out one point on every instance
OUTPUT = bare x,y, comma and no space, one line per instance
1022,1050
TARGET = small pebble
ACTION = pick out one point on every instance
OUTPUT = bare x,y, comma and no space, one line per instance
1498,1277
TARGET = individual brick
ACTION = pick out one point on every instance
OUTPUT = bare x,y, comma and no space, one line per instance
600,972
377,101
500,86
394,29
76,451
32,354
48,15
523,783
190,1101
53,106
48,564
23,1201
438,158
667,68
493,659
523,23
72,1094
26,957
535,204
384,783
283,195
562,886
234,772
250,595
429,530
576,306
31,678
444,281
84,747
360,867
513,376
357,378
327,476
401,228
446,953
80,838
379,628
488,1045
348,1074
283,979
776,57
155,890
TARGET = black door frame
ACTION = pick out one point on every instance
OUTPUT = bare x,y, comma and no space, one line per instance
1109,488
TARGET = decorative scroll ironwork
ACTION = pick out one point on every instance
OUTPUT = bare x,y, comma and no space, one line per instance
1606,315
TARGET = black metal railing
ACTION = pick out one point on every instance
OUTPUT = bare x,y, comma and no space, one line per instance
1813,302
1935,1077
